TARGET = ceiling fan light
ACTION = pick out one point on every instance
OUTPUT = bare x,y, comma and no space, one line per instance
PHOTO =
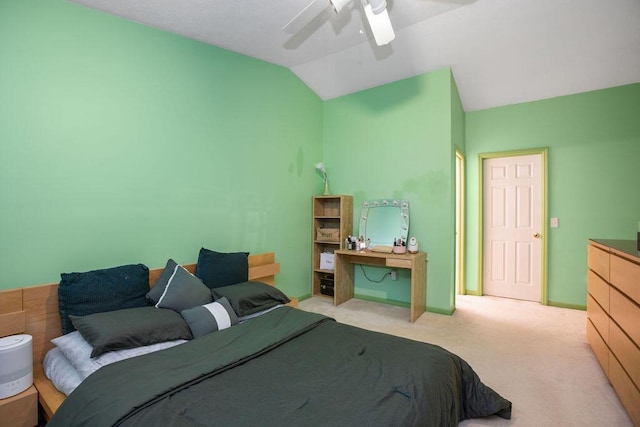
380,25
378,6
338,4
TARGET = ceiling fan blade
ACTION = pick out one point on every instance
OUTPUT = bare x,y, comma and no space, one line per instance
380,25
313,9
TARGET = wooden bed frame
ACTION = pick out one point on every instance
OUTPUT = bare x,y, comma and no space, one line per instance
34,310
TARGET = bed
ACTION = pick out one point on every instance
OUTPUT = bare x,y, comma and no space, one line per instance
281,366
34,310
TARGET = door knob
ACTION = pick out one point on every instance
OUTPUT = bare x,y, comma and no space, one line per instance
537,235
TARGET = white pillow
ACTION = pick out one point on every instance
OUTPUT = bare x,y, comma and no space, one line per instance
78,351
60,371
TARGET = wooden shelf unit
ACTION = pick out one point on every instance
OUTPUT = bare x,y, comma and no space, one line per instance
335,213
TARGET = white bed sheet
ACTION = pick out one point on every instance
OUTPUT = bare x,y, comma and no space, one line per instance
70,362
60,371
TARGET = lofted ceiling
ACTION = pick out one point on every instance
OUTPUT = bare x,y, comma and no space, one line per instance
500,51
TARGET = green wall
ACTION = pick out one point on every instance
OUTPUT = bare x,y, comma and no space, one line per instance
121,144
395,141
594,162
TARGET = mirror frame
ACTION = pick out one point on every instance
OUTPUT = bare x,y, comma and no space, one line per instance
400,223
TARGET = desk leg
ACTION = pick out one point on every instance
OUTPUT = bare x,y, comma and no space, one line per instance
343,280
418,288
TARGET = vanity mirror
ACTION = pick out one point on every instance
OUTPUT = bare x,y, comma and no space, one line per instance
384,220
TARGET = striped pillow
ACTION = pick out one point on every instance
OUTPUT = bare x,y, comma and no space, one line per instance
183,291
211,317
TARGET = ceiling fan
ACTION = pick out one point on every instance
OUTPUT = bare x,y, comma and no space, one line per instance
375,11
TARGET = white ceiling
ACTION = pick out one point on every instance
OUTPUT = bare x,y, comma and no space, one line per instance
500,51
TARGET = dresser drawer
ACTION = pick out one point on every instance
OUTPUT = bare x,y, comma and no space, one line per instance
625,275
598,289
626,391
598,346
598,261
625,351
399,263
626,314
598,317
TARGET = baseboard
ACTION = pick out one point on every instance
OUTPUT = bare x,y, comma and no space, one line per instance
383,300
438,310
551,303
567,305
474,293
403,304
304,297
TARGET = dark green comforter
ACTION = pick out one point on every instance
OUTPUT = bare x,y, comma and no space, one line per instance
287,367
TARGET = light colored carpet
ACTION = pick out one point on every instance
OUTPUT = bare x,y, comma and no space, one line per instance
536,356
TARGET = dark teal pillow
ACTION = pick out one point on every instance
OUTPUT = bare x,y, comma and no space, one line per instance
96,291
183,290
130,328
218,269
156,291
250,297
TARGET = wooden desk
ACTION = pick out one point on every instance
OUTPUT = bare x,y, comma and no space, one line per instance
417,263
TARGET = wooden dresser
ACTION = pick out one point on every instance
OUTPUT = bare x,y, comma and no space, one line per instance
613,316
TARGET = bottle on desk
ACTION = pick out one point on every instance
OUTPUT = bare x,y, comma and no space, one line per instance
413,245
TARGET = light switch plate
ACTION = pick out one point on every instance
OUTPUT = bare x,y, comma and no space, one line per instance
554,223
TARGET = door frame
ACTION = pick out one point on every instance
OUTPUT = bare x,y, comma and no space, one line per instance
461,244
544,215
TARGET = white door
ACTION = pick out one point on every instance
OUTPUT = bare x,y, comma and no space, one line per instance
513,227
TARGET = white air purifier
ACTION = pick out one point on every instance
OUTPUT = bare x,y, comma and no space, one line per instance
16,364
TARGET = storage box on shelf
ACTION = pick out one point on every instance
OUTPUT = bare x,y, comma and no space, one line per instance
613,316
332,224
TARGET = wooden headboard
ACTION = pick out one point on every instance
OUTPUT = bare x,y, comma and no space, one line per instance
34,310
